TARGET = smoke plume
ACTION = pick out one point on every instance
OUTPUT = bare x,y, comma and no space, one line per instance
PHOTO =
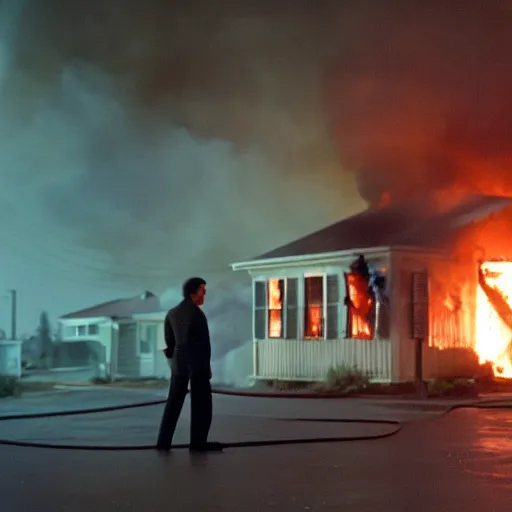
155,139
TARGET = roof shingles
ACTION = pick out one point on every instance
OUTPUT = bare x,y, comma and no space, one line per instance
415,223
119,308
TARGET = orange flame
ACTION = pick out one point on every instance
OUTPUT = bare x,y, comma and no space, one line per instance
361,306
275,308
494,330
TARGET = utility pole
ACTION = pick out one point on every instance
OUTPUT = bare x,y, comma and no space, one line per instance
13,313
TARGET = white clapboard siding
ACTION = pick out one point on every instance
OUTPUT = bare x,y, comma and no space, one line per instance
311,360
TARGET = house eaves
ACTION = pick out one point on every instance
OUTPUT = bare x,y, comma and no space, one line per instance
83,320
326,258
330,258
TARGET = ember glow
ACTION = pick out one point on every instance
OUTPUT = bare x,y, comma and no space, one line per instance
494,317
275,308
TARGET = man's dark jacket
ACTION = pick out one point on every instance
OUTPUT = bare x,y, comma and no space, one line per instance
188,339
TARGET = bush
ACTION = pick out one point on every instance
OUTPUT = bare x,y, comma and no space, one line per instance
452,388
9,386
346,379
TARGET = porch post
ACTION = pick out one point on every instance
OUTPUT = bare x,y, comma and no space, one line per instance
255,359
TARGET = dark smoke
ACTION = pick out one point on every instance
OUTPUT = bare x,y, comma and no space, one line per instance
198,131
422,101
177,137
159,139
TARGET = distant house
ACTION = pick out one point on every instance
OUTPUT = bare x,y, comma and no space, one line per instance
344,295
125,336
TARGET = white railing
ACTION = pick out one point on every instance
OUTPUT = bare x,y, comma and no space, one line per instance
311,359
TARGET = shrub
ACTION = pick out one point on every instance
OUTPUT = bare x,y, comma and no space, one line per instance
346,379
452,388
9,386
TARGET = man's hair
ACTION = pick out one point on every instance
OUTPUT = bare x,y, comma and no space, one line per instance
192,285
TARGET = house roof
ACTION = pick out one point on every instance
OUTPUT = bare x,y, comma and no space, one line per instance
146,302
416,223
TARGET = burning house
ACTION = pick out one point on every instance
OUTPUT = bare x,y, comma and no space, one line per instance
344,295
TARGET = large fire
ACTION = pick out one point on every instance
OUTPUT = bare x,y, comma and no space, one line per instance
494,317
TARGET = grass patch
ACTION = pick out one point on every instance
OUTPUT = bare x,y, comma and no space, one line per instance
9,386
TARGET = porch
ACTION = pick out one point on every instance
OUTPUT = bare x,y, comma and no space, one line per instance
310,360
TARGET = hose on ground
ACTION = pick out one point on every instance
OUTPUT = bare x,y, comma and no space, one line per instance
397,425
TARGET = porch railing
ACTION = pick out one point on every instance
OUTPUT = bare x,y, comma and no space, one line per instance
311,359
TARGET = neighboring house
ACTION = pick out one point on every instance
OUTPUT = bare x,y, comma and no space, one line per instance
124,336
10,358
343,295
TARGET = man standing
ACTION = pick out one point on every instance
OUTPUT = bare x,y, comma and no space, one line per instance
188,347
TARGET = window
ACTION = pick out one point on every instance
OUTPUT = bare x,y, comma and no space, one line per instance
333,307
275,308
359,306
260,309
314,307
76,331
93,329
148,338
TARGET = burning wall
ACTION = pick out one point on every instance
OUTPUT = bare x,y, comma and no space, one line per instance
472,295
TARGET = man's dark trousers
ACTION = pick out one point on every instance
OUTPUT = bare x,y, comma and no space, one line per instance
201,408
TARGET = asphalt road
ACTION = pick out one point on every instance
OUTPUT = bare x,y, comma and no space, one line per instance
460,462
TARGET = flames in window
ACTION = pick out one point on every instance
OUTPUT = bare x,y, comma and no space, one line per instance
359,306
313,299
275,308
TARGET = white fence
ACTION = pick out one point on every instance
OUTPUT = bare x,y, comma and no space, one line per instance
10,358
311,359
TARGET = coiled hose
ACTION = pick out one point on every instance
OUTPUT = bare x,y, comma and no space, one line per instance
396,425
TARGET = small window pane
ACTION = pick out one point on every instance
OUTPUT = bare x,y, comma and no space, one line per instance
291,323
332,322
259,324
93,329
313,307
260,298
275,307
333,293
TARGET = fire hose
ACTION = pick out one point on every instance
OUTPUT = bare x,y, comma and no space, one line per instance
397,425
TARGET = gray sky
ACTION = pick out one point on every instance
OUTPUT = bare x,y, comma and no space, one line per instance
142,142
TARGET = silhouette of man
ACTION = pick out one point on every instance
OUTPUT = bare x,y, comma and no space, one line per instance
188,347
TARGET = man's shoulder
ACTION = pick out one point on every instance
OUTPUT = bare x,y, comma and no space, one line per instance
184,308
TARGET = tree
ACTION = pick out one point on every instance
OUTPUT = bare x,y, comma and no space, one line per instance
45,337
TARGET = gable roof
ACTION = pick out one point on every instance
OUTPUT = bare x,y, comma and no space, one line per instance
415,223
146,302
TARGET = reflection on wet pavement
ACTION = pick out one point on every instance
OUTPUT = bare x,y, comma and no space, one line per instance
490,452
460,462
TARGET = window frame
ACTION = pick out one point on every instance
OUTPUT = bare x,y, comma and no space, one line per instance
305,276
143,337
284,303
284,310
348,317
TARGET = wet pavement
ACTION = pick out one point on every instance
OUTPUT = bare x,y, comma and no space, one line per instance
461,461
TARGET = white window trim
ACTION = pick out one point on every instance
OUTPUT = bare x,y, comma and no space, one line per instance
142,327
323,275
265,281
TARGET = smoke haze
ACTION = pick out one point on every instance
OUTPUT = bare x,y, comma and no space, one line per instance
145,141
